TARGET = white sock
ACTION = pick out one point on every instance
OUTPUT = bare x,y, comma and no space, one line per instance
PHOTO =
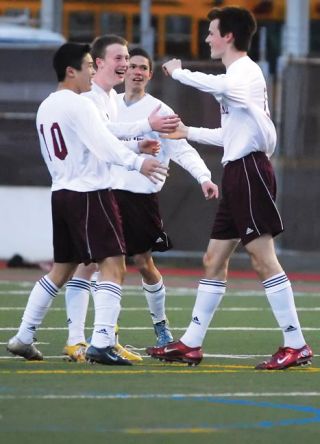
107,299
38,304
77,300
209,295
280,296
155,295
94,282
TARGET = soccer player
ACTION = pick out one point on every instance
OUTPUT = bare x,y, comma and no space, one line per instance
78,150
138,198
247,210
110,57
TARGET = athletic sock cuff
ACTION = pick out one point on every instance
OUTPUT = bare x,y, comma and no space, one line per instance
49,286
82,284
154,287
212,286
276,283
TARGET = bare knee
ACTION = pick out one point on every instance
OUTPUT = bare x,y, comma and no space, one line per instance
113,269
147,269
265,267
214,269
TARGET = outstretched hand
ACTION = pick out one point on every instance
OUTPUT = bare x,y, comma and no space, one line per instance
163,124
154,170
180,133
210,190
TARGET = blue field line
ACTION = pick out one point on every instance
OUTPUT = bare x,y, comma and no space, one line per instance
262,404
200,428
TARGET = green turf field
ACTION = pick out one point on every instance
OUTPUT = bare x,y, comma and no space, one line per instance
223,400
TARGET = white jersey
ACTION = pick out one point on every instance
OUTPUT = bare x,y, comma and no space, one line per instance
107,106
177,150
76,145
245,120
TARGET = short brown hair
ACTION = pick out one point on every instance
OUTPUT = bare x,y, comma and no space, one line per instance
240,21
100,44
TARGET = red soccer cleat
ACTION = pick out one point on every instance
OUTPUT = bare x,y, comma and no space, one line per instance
287,357
177,352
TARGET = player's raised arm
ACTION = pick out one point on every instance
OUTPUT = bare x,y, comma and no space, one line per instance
181,132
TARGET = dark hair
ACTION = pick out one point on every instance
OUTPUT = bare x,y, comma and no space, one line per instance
143,53
100,44
237,20
69,54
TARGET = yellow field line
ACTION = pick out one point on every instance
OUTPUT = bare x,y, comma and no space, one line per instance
138,431
137,371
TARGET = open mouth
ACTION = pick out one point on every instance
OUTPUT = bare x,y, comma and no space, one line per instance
120,71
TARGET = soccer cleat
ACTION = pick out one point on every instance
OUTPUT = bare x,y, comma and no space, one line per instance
177,352
76,353
287,357
163,333
127,354
105,356
27,351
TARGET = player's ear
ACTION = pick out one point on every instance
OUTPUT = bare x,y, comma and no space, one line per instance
70,72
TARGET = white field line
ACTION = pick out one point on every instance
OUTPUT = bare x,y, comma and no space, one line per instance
171,291
226,309
172,328
173,396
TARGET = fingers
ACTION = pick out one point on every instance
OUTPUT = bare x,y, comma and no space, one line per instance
211,192
170,123
165,71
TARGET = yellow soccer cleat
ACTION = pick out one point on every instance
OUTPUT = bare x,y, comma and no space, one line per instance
76,353
123,351
127,354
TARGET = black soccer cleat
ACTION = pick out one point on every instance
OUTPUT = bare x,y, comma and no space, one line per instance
105,356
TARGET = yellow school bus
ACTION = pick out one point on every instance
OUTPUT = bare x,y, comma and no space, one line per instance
179,24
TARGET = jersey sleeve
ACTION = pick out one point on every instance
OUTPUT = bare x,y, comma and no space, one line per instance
229,88
129,129
206,136
98,139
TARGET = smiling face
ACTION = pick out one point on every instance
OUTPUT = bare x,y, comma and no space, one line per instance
114,64
138,74
218,44
82,78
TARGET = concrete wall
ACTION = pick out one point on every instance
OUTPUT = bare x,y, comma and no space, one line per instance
25,223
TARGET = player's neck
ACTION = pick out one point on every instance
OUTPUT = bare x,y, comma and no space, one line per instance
232,56
131,97
69,86
103,83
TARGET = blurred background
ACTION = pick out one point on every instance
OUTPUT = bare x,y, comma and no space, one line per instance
287,47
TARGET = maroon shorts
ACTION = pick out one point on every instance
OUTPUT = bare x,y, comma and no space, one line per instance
142,223
247,208
86,226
